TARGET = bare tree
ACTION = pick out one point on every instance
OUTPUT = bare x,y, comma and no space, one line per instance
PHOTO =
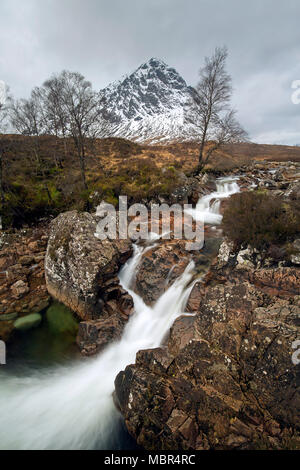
4,104
216,120
65,106
27,117
54,113
80,105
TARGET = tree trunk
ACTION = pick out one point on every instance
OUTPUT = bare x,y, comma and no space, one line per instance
81,154
1,180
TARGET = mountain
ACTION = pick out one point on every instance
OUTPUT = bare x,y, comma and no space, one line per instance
152,105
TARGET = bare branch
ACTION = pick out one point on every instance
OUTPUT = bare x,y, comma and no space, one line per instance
216,120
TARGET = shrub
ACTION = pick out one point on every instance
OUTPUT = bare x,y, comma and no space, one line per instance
260,219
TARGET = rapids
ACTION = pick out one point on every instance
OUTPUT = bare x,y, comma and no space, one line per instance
71,406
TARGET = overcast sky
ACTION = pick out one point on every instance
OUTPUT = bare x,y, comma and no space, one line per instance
105,39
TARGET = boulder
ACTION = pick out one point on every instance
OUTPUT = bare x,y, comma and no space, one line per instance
117,306
159,267
77,264
28,322
225,380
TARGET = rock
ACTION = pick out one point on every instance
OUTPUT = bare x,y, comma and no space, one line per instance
39,258
22,283
193,302
187,190
8,317
226,249
81,272
279,281
225,379
26,260
293,191
117,306
245,259
278,175
77,264
27,323
19,288
159,267
94,335
295,256
34,246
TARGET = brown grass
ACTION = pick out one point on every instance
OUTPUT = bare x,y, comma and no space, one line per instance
36,185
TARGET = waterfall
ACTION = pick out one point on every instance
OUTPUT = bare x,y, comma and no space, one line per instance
71,407
208,207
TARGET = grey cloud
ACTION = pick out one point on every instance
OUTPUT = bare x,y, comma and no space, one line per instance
105,39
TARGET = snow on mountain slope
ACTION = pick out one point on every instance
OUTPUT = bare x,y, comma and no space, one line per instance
152,105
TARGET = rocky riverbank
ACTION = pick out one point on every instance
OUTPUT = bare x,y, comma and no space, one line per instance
224,379
23,289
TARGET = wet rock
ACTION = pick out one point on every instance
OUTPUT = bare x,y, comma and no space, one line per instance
193,302
116,307
27,323
158,269
94,335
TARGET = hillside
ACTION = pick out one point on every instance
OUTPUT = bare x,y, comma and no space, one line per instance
41,177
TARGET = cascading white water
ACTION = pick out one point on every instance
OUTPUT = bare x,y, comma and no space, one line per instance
72,407
209,212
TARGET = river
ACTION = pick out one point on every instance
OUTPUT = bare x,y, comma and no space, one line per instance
68,404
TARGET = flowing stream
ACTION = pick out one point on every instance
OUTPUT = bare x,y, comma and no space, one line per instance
70,406
208,207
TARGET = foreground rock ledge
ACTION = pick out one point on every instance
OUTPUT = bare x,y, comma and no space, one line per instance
225,379
81,272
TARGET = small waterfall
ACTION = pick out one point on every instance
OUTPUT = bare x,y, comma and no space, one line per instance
208,207
71,407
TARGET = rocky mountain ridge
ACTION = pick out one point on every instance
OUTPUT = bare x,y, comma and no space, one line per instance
151,105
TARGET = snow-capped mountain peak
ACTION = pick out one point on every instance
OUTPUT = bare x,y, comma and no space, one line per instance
151,105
